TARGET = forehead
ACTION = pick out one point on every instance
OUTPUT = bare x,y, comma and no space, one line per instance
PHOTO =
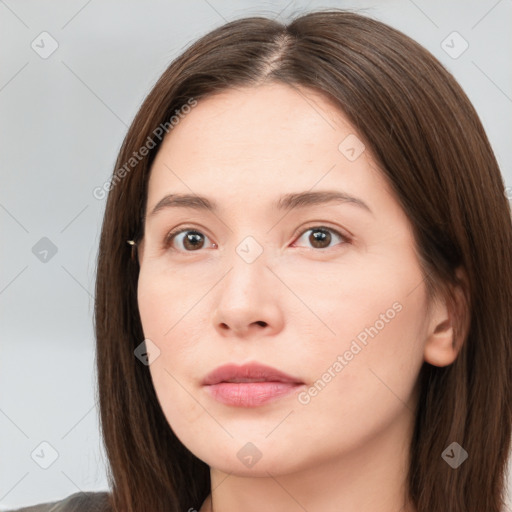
272,129
270,102
256,140
253,121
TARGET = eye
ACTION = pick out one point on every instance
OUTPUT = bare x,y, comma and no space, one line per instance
320,236
192,240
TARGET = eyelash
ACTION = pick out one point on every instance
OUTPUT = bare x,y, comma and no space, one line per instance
172,234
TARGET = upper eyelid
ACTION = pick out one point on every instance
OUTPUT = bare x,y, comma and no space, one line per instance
345,237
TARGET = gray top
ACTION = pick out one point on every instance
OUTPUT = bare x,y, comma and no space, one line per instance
78,502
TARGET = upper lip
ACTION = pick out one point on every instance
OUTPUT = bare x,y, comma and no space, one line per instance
252,372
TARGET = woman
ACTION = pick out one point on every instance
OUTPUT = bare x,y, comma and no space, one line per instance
312,310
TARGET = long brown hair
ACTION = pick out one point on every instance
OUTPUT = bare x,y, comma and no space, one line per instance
430,144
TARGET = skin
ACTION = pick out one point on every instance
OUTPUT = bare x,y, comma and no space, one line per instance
297,307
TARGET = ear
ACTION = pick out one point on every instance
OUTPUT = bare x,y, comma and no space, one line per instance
449,325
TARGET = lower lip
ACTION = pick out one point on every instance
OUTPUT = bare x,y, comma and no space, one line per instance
250,394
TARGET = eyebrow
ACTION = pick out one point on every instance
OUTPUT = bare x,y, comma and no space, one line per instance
286,202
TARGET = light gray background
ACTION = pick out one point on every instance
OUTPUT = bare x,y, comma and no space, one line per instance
63,119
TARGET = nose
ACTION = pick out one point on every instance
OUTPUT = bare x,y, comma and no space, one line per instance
247,303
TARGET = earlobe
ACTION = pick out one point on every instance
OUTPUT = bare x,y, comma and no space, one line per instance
448,327
440,348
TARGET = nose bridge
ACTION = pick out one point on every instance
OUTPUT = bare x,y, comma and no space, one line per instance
250,250
247,266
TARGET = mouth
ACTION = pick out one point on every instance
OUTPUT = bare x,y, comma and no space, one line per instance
252,372
250,385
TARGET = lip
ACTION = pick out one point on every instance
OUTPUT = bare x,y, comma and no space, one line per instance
249,385
252,371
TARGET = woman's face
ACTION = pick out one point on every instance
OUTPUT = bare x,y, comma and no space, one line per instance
330,292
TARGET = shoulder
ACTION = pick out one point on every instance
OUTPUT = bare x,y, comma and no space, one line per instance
78,502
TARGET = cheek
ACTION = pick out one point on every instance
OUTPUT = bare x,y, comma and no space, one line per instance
368,349
169,320
369,369
164,298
